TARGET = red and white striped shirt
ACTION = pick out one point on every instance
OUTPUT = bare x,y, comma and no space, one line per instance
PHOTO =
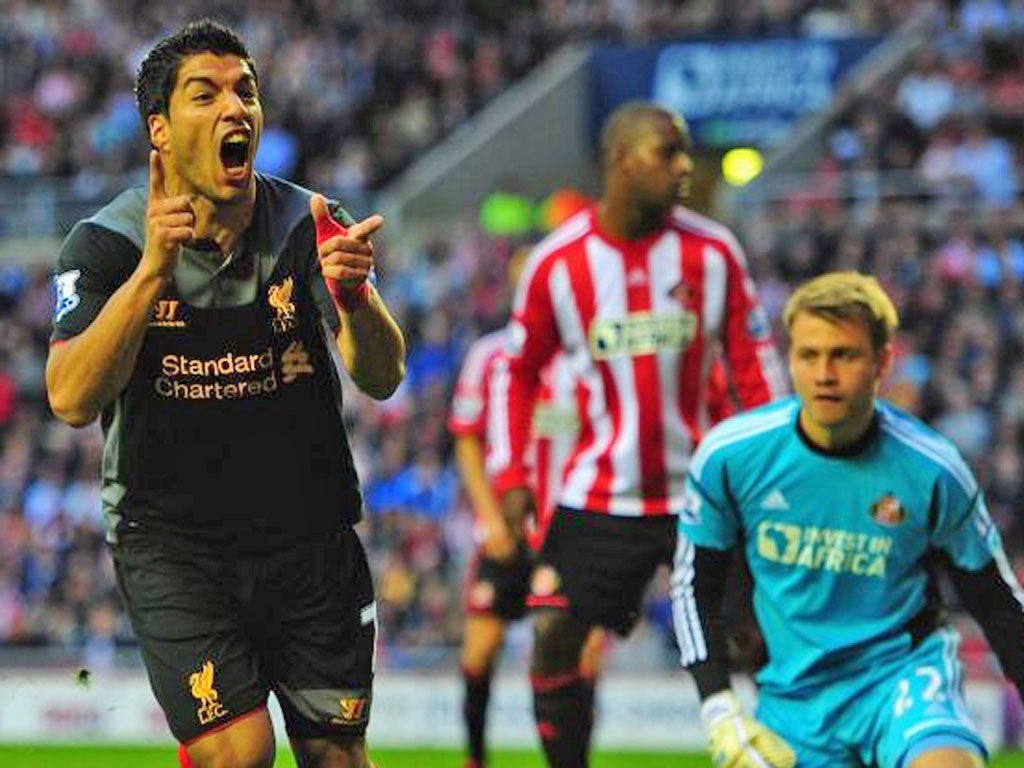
555,426
480,398
478,408
640,323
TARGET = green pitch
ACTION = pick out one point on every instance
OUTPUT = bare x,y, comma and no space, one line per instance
164,757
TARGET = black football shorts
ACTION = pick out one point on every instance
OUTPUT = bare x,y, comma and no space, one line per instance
497,588
219,631
598,566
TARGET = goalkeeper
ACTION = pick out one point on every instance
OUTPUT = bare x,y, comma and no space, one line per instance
844,507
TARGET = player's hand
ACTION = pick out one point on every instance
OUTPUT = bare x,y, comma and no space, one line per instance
517,506
345,254
170,222
736,740
499,543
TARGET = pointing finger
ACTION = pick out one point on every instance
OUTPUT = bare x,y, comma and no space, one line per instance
366,227
156,177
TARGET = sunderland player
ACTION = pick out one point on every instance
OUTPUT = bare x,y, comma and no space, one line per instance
844,508
637,292
499,575
190,317
499,578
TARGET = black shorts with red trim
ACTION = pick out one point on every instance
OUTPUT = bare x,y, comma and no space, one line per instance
495,588
598,566
219,631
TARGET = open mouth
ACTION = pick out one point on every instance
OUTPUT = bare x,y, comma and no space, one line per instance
234,153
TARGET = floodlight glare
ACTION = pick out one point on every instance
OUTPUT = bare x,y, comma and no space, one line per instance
741,165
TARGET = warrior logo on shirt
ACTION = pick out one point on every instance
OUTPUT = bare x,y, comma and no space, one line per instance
167,314
280,299
888,511
67,295
201,683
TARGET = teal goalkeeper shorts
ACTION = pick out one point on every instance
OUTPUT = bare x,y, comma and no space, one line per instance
885,717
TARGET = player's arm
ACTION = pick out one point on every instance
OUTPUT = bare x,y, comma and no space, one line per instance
86,372
735,739
473,422
755,369
707,536
980,571
698,593
534,339
371,344
708,532
994,598
372,348
499,541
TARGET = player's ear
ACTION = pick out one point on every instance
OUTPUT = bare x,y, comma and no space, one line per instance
159,131
625,158
886,360
614,158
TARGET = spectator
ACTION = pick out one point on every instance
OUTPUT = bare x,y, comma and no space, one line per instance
988,162
926,94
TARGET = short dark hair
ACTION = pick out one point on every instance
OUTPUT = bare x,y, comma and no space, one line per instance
159,70
628,122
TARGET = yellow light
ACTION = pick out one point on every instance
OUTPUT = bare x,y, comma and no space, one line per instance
742,165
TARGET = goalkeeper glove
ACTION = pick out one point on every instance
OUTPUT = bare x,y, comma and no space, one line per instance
736,740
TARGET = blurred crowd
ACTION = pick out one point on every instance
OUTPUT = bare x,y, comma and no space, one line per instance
919,183
353,90
916,182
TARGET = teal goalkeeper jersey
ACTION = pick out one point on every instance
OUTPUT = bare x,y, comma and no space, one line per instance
837,544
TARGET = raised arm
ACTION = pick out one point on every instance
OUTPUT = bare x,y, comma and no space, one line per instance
86,372
371,344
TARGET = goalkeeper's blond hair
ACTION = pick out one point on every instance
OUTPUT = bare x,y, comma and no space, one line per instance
837,296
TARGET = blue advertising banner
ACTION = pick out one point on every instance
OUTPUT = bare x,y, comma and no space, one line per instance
735,92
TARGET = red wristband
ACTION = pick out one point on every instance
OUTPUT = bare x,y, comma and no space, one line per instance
348,299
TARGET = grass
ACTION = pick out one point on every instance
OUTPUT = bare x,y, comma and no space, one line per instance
32,756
